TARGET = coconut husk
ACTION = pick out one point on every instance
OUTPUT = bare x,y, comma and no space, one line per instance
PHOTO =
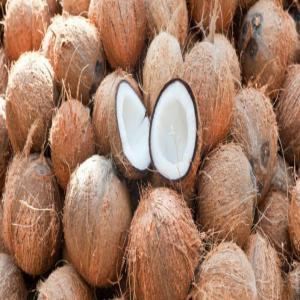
293,283
77,7
53,6
4,70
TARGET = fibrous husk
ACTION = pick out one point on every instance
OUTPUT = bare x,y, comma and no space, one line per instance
248,3
30,99
2,247
76,7
293,283
254,128
25,25
73,46
53,5
4,69
71,139
227,195
97,215
164,247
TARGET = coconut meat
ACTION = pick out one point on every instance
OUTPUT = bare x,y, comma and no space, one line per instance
173,131
133,125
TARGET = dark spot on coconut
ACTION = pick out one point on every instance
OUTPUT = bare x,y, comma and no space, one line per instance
42,170
256,22
265,154
93,89
252,47
99,68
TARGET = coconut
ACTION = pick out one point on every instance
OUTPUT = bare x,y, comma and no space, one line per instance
164,247
25,25
71,138
268,43
52,4
64,283
12,285
171,16
30,99
2,247
266,265
31,208
76,7
226,203
4,66
254,128
97,215
293,283
74,49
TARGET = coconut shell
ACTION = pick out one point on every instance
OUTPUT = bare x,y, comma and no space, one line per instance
213,89
162,62
266,265
97,215
164,247
64,283
73,46
254,128
226,203
71,138
76,7
268,43
2,247
293,283
12,285
31,208
4,66
25,25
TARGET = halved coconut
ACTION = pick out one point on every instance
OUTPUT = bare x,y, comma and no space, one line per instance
176,137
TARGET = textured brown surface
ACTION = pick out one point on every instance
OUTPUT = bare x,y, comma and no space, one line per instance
4,69
53,5
76,7
293,283
2,247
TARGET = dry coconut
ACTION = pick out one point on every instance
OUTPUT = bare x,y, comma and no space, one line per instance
76,7
31,208
71,138
226,273
12,285
267,43
254,128
226,203
2,247
74,49
266,265
96,247
25,25
170,16
293,283
162,62
64,283
164,247
4,69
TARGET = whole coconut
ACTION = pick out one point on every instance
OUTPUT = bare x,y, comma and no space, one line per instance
71,138
76,7
12,285
254,128
26,22
31,208
97,215
30,99
293,283
164,247
4,66
64,283
225,273
73,46
226,203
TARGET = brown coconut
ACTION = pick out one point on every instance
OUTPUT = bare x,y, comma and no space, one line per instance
164,247
266,265
226,203
31,214
73,46
96,247
4,67
226,273
170,16
64,283
25,25
293,283
71,139
76,7
254,128
267,43
2,247
12,285
162,63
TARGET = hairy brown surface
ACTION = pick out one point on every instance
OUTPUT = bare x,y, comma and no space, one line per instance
293,283
4,70
76,7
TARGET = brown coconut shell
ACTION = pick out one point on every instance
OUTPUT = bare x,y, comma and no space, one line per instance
170,16
12,285
72,139
96,247
293,283
64,283
225,273
162,63
76,7
266,47
254,128
25,25
73,46
164,247
31,208
4,69
226,203
266,265
30,100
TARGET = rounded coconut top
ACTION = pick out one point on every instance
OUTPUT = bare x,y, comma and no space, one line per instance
76,7
4,70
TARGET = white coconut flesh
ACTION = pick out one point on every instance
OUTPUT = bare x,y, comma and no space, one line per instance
173,133
133,125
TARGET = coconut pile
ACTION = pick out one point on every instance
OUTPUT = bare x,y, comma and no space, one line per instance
150,149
